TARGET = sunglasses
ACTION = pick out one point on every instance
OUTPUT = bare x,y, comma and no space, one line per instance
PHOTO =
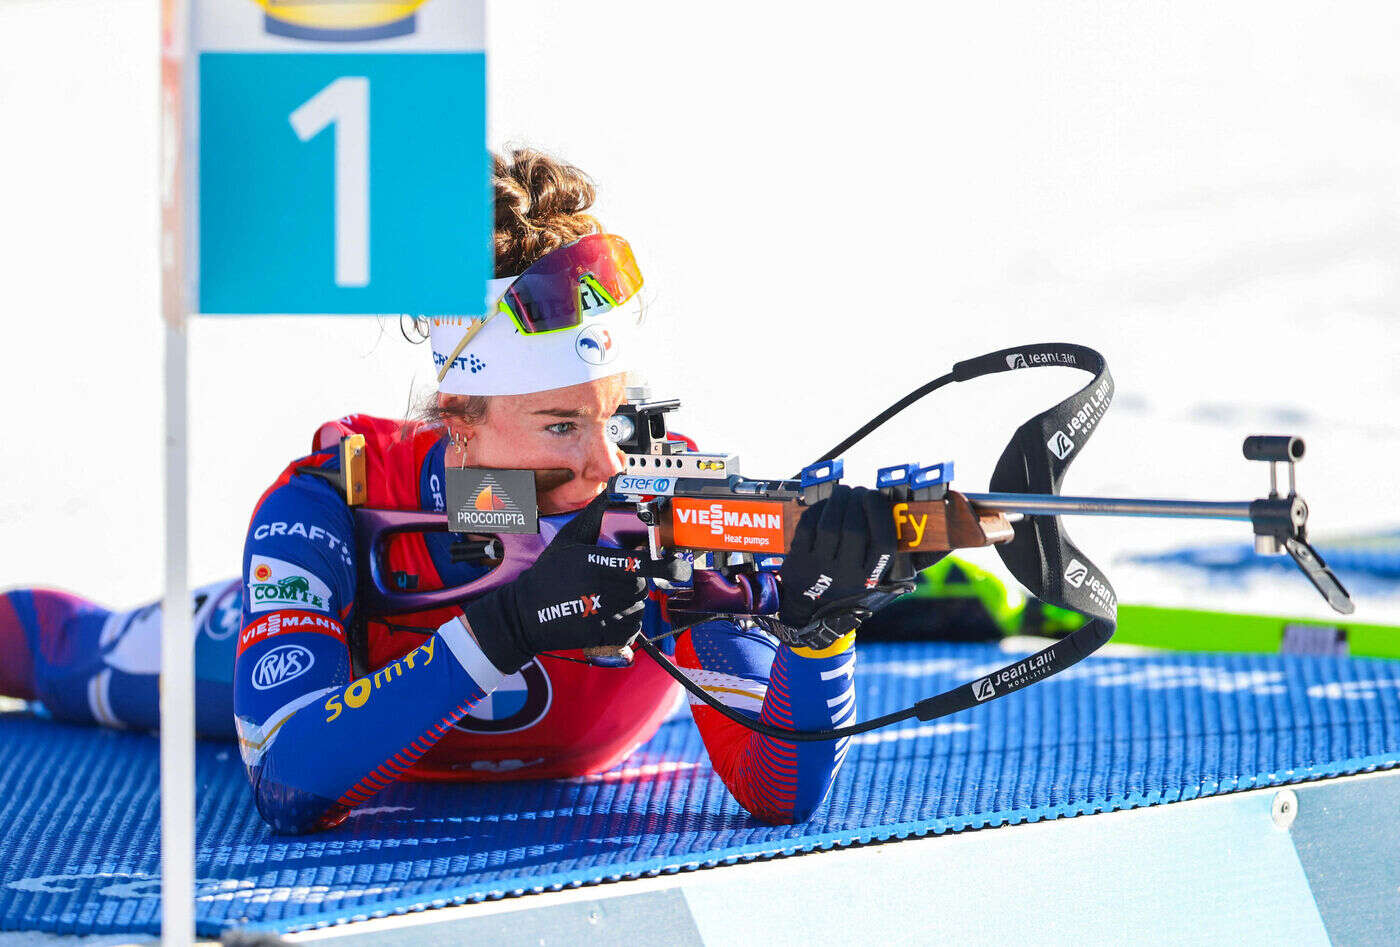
590,275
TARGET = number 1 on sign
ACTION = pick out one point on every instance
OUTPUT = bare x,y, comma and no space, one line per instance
345,104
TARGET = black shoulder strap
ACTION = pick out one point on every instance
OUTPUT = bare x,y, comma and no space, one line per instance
1042,557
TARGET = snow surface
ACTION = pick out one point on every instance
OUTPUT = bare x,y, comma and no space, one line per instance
830,209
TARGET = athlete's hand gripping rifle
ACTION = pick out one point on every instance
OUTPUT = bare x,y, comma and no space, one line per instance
735,531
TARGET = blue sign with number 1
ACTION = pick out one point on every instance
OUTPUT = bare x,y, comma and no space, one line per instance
343,183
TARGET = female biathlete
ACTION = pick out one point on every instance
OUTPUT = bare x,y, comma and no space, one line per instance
330,704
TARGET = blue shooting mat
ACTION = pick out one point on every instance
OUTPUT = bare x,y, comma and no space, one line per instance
79,806
1375,556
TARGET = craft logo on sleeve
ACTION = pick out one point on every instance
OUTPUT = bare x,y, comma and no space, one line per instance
340,21
273,583
731,524
490,500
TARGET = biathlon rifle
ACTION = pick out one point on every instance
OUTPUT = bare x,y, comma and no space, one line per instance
714,539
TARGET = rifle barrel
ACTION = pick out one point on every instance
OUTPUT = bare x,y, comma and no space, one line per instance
1032,504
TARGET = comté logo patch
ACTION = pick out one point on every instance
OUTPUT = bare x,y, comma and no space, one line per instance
275,584
748,525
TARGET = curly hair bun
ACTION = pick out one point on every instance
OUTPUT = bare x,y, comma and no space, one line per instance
540,206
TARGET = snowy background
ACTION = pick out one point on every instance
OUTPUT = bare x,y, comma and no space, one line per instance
830,209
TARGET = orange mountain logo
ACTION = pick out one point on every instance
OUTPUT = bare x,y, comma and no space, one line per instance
490,500
487,500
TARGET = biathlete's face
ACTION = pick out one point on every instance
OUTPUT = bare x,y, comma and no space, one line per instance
563,428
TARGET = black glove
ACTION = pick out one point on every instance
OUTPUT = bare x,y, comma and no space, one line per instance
831,576
576,595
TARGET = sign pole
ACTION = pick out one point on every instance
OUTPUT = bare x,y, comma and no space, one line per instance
177,663
177,644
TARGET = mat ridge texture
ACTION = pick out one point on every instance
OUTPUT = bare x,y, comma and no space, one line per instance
80,854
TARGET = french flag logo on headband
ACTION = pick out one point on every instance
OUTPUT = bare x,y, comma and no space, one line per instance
595,345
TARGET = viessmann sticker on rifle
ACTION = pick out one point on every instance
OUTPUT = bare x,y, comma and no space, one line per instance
748,525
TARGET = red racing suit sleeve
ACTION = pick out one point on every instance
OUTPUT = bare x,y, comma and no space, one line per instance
747,669
315,741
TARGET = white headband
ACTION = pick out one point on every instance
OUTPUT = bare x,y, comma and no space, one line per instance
499,359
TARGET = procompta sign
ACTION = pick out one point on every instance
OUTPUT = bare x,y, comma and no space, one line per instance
491,500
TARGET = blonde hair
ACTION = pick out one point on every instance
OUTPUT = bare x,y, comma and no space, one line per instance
541,205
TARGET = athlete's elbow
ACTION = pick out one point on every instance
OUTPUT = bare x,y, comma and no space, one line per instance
770,816
801,813
800,807
290,811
